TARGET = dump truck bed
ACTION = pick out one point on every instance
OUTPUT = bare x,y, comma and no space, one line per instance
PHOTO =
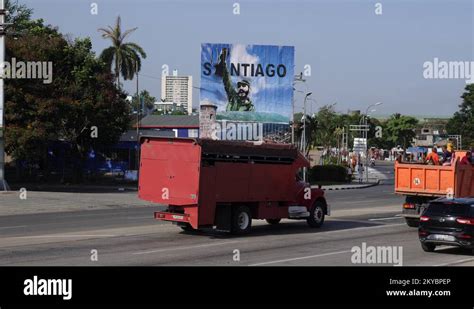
434,180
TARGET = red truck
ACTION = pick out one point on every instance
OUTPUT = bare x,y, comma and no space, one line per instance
225,184
421,183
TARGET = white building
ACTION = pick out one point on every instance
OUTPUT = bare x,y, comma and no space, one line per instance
178,89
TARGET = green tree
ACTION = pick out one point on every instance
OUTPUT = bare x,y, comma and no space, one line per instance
399,130
126,57
462,121
148,100
81,96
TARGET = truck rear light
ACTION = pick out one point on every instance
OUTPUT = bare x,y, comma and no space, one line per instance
424,218
409,206
465,221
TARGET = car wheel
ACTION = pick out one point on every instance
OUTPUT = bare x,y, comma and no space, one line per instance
241,220
428,247
273,221
316,215
412,222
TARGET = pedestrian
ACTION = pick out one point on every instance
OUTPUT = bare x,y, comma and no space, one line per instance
349,173
360,170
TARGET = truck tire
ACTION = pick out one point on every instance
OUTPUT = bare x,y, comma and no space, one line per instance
428,247
273,221
241,220
316,215
187,228
412,222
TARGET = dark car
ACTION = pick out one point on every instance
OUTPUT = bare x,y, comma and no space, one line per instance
447,222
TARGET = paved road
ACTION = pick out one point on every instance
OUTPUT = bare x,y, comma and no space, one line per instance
130,236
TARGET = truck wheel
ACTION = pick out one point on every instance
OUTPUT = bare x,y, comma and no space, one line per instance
187,228
241,220
428,247
412,222
316,215
273,221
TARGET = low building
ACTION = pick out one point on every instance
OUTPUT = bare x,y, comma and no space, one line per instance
179,125
166,107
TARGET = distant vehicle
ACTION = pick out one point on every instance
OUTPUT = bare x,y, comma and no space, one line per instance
421,183
225,184
447,222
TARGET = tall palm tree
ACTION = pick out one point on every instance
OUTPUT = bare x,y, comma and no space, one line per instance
126,57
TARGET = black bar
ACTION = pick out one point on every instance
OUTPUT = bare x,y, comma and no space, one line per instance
282,286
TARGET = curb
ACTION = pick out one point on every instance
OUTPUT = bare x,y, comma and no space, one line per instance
353,187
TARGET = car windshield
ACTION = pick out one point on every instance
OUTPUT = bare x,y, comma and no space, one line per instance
447,208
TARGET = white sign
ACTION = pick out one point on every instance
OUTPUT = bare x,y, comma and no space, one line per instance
360,145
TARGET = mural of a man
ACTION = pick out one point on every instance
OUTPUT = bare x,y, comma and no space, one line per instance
238,99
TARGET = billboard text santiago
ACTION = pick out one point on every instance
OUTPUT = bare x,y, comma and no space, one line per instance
248,82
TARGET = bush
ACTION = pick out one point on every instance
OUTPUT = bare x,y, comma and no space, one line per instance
336,173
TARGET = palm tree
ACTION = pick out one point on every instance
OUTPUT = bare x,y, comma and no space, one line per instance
125,56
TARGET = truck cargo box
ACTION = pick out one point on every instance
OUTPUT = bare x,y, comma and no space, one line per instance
434,180
193,175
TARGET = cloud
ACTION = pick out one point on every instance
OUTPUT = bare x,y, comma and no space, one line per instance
239,54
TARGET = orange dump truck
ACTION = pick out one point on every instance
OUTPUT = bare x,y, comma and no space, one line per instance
422,183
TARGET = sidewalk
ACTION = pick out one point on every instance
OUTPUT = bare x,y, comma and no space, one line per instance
349,186
12,203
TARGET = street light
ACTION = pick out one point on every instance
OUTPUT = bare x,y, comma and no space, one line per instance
304,131
298,78
365,132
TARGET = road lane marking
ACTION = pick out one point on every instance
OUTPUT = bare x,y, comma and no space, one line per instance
300,258
455,262
65,236
186,247
388,218
12,227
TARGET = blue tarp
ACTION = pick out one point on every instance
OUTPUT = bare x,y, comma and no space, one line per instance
416,150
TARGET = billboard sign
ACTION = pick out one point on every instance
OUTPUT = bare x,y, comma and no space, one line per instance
248,83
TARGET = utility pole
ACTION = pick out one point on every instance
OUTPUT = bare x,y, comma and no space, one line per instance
366,135
304,132
137,153
3,12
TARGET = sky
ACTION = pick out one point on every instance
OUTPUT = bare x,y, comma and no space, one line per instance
357,57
